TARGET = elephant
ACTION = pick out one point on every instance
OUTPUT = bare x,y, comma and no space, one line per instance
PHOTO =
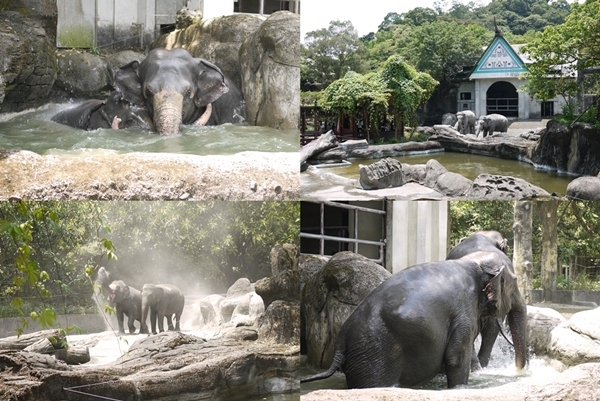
465,123
178,89
423,320
488,241
491,123
449,119
127,300
115,113
161,300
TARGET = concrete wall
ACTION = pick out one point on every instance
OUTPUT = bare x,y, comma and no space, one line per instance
417,233
76,23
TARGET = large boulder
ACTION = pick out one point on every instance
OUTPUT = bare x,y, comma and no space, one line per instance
385,173
27,63
584,188
283,286
217,40
577,340
329,298
270,60
540,323
281,323
284,257
573,149
499,187
81,74
309,265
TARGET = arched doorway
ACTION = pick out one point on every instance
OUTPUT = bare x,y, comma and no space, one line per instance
502,98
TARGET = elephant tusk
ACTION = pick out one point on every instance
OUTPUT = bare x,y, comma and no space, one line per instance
115,123
205,116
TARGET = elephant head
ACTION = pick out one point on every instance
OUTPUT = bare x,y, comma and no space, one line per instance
174,87
503,298
118,292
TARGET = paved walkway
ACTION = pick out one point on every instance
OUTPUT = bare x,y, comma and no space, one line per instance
517,127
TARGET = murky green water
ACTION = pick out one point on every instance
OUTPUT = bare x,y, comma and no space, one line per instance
33,130
471,166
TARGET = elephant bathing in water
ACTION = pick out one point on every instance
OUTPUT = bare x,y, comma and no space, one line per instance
489,327
172,88
491,123
424,319
161,300
127,300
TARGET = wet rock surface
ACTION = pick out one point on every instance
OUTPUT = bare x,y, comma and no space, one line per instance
330,296
147,176
384,173
584,188
27,68
497,187
160,367
577,340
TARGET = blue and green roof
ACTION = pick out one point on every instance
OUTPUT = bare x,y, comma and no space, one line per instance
499,61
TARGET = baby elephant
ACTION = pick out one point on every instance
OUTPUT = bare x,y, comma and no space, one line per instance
491,123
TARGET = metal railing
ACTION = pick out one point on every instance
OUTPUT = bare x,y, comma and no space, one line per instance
355,240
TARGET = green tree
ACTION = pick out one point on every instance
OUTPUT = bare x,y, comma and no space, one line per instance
329,53
46,248
560,51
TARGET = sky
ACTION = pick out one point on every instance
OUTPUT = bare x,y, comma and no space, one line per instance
364,15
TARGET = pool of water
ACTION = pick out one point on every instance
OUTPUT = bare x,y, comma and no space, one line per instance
469,166
501,370
33,130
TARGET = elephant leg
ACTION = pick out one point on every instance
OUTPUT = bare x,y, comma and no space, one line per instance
120,319
475,365
178,317
130,323
457,357
170,322
161,321
489,333
153,321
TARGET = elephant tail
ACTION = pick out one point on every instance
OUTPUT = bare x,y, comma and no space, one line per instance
338,359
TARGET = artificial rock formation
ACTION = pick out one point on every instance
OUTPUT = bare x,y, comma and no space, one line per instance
27,69
270,59
330,296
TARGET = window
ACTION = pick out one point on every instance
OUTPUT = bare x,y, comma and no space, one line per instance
465,95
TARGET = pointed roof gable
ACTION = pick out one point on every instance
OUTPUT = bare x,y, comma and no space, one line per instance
499,61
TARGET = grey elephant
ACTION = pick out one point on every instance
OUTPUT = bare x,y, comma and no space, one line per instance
449,119
178,89
424,319
161,300
126,299
491,123
114,112
488,241
465,123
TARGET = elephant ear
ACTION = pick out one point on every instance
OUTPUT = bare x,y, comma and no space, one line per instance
210,83
128,83
126,292
493,267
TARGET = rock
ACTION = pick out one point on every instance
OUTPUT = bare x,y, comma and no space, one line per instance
497,187
540,323
433,169
330,296
148,176
170,365
186,18
284,286
238,298
577,340
577,383
573,149
217,40
385,173
73,355
453,185
209,316
281,322
377,151
584,188
324,142
308,265
354,144
81,74
413,173
28,66
270,60
284,257
43,12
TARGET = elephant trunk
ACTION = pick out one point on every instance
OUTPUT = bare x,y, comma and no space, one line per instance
517,321
168,105
145,309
